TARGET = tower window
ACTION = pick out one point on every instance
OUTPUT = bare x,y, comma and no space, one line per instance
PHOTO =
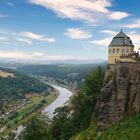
113,50
125,40
118,50
123,51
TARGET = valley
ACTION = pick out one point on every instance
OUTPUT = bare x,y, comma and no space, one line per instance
23,100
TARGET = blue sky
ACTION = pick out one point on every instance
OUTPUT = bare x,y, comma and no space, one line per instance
43,30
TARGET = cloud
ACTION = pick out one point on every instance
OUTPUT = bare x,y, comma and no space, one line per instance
11,4
2,38
136,24
135,38
31,56
3,16
25,40
38,37
91,11
101,42
118,15
19,55
7,54
76,33
109,32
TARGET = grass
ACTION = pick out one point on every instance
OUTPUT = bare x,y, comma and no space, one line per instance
127,129
34,100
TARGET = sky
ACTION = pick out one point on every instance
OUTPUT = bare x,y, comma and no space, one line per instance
49,30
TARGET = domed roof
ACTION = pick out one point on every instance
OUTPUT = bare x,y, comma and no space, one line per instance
121,39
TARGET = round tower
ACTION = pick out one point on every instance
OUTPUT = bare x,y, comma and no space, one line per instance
120,49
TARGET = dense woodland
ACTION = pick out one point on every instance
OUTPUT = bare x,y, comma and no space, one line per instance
77,121
69,72
15,88
71,119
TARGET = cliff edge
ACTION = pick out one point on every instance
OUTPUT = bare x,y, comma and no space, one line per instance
120,95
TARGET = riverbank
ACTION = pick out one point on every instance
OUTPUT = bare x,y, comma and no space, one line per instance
59,98
63,98
49,99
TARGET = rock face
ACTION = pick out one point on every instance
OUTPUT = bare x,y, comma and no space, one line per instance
120,95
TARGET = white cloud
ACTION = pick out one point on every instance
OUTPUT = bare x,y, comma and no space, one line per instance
38,37
31,56
136,39
136,24
101,42
25,40
90,11
7,54
3,16
106,41
109,32
2,38
19,55
118,15
11,4
76,33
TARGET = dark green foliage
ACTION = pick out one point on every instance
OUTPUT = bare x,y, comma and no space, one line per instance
126,129
14,115
77,117
93,84
71,73
43,101
15,88
36,129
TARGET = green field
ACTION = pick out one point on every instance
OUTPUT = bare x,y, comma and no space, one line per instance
34,101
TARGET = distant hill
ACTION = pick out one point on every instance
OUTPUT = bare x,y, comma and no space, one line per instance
68,72
15,86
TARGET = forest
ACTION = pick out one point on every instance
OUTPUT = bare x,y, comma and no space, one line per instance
69,72
71,119
13,89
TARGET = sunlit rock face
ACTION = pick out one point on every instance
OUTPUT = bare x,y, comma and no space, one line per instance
120,95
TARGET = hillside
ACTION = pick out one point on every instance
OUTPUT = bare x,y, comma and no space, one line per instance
116,114
15,86
65,74
106,108
127,129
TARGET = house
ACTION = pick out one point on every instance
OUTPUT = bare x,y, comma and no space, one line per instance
121,49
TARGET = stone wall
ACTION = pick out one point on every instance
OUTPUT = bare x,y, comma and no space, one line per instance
120,95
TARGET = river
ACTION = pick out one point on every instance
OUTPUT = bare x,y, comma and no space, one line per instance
62,99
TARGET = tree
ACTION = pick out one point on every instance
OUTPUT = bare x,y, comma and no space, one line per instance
36,129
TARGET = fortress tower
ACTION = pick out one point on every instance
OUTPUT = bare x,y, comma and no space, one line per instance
121,48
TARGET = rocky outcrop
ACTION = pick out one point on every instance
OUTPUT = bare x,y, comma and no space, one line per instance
120,95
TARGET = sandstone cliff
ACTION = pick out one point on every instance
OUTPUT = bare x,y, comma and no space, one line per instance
120,95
